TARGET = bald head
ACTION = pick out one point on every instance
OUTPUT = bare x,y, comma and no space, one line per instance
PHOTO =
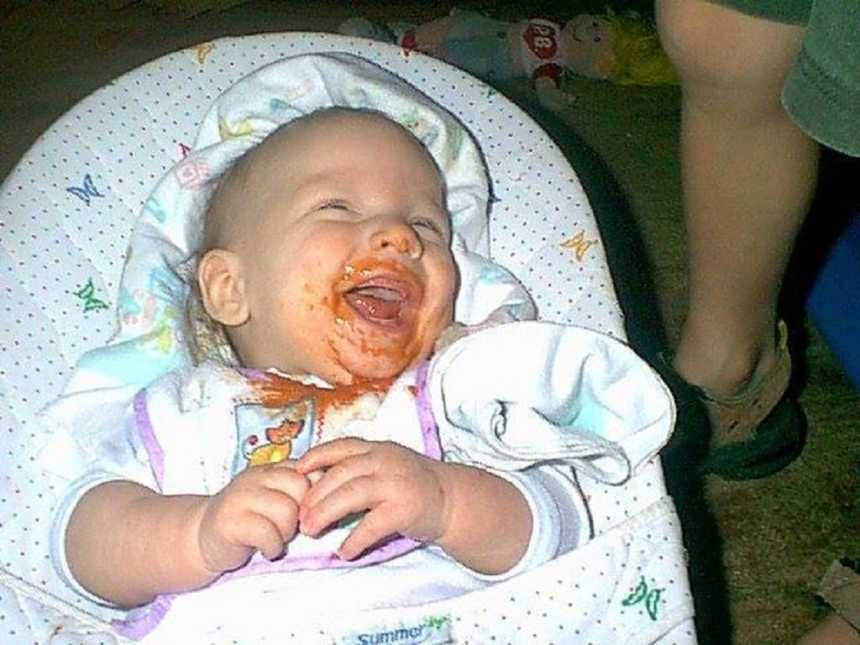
249,182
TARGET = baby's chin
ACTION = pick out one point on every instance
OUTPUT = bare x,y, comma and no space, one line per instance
366,368
353,366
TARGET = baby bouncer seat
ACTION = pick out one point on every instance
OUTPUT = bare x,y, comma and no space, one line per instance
66,214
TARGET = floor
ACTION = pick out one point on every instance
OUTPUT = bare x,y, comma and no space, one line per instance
755,574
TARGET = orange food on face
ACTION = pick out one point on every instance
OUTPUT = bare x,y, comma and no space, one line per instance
348,275
376,306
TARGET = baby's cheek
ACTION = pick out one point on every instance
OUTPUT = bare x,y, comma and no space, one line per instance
435,328
299,316
444,282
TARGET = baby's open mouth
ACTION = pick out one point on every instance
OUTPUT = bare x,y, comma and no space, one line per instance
375,302
380,300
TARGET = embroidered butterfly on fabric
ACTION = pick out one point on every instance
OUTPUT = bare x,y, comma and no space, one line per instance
86,191
87,294
647,596
579,245
203,50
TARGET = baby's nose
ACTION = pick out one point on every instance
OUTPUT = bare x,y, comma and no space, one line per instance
398,237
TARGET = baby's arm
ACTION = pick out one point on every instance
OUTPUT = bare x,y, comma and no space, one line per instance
490,523
126,543
479,519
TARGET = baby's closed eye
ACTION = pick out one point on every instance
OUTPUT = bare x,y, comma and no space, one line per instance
334,204
427,224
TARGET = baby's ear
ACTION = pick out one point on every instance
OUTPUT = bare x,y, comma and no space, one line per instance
222,287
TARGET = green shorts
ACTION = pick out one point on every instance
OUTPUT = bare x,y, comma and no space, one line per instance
822,91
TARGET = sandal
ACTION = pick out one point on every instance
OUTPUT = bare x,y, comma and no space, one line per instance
757,432
840,588
760,430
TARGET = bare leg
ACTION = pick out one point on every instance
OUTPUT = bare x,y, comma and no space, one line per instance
748,176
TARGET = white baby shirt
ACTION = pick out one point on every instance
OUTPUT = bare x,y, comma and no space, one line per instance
192,430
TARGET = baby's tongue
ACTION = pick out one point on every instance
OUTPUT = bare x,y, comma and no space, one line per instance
375,302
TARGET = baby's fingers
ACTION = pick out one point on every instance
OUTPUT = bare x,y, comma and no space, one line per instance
338,476
375,526
279,509
354,496
225,552
328,454
265,536
274,520
290,481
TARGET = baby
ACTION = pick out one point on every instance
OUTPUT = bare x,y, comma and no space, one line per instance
326,258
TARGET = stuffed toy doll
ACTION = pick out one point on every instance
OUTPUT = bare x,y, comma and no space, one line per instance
620,48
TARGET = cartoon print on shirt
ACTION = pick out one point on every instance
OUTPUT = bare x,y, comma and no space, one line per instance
288,439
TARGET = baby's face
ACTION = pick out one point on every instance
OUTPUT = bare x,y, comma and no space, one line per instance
348,271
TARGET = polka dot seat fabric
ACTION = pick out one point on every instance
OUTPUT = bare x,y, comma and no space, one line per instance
66,214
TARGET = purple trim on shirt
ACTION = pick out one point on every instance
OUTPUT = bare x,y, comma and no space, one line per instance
147,436
432,445
139,622
253,374
394,547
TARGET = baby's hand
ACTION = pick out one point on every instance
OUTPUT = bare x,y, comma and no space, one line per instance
257,511
403,492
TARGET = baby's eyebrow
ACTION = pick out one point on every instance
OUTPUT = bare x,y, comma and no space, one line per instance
319,189
437,208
